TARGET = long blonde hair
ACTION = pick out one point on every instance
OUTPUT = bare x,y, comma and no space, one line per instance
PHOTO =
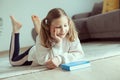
45,35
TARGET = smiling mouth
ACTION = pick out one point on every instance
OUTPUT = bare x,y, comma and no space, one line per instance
62,34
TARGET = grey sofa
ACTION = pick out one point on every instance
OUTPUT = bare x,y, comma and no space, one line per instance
95,25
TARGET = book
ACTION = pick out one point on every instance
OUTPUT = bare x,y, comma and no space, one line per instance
75,65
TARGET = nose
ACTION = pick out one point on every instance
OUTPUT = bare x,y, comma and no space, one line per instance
63,29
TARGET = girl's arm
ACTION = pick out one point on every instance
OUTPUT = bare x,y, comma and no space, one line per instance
75,53
42,54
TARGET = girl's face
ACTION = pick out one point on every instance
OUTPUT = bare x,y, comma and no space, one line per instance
60,26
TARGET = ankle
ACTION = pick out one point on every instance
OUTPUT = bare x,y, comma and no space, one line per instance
15,31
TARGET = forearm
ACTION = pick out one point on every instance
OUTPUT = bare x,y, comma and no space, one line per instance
70,57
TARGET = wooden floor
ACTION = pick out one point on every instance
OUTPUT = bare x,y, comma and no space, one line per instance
103,69
92,50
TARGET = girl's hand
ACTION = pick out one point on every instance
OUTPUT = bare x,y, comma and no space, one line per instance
56,37
53,63
50,65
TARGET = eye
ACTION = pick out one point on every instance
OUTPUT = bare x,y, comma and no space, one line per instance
65,25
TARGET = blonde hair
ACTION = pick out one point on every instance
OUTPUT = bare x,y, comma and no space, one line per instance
45,37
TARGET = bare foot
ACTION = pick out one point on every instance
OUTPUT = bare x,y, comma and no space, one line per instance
16,25
36,22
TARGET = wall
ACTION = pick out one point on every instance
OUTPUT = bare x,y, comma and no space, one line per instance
23,9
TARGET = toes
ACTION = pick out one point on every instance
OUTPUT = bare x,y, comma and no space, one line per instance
34,17
12,18
14,22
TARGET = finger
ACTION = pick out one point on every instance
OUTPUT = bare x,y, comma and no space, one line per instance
48,62
51,66
55,34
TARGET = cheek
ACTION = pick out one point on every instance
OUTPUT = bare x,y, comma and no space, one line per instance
58,31
67,29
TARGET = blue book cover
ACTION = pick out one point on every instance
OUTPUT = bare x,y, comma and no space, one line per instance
75,65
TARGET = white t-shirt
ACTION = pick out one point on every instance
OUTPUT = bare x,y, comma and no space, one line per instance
66,52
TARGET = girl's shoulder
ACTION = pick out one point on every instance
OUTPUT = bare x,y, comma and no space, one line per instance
75,40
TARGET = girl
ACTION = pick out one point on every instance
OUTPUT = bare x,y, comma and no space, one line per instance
57,42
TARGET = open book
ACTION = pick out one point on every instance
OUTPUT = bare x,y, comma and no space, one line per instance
75,65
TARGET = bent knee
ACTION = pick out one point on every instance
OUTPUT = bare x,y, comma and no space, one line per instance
15,63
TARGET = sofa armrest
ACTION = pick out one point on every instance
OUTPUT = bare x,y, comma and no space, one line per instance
81,15
81,27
